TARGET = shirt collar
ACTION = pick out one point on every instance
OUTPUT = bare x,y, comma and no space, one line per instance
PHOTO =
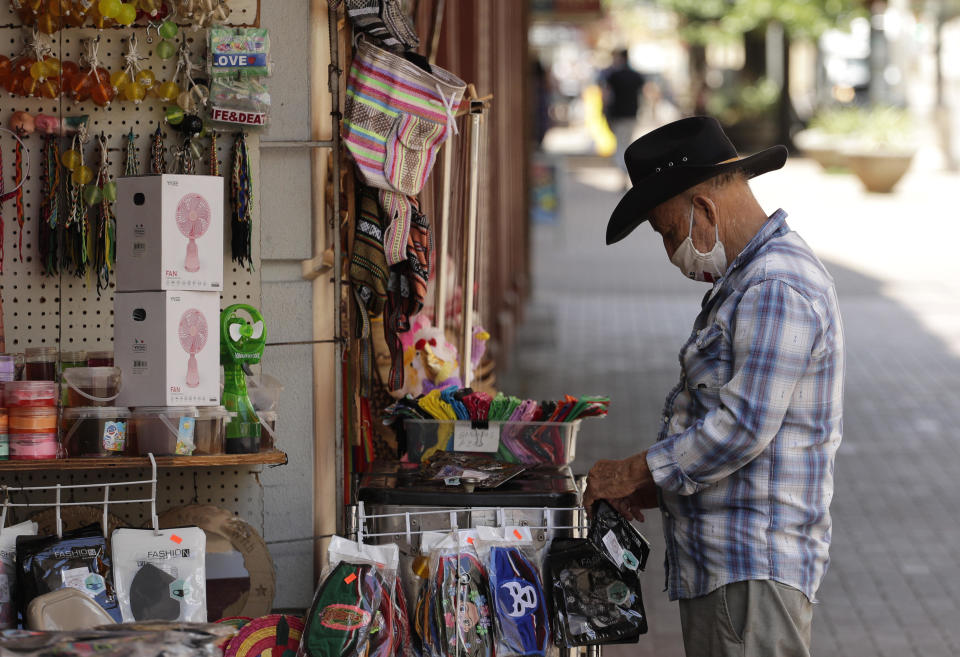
775,226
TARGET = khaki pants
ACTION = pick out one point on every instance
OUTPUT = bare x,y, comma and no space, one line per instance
759,618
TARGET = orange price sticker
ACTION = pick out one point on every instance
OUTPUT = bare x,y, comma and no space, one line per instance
470,540
516,532
350,579
176,539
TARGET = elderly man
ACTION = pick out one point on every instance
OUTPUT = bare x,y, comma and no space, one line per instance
742,469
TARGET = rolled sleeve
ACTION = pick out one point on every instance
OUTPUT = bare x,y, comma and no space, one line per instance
773,340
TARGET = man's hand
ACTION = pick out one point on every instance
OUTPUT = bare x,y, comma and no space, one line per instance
615,480
630,506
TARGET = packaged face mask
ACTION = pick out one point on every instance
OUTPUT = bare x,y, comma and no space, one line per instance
339,621
594,602
615,537
520,605
161,576
8,572
78,560
459,607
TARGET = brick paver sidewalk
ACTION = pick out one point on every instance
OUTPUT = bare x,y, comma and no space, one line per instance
611,320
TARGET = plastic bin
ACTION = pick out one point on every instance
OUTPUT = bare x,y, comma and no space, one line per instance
531,443
95,431
100,358
92,386
164,430
264,391
268,437
211,430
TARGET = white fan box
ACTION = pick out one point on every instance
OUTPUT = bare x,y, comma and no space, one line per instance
169,233
167,346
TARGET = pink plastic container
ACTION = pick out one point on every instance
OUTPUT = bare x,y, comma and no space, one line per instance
33,446
30,393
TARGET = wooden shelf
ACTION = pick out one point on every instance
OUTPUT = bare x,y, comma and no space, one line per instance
274,457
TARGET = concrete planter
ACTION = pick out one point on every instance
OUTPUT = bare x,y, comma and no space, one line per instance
823,149
879,170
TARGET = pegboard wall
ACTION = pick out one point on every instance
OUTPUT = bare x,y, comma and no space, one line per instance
64,310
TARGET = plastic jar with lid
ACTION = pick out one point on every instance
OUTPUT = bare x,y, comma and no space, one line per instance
164,430
4,438
8,367
41,364
103,358
268,437
30,393
32,419
33,446
95,431
211,431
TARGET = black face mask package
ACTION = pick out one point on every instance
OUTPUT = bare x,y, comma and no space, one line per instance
8,571
595,591
79,560
161,575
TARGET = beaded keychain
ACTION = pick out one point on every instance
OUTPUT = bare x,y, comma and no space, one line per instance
105,244
50,206
241,203
158,153
131,162
77,227
213,161
133,81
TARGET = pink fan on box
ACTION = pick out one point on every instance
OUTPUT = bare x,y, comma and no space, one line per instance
193,337
193,220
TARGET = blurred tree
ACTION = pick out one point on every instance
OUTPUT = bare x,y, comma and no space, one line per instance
709,21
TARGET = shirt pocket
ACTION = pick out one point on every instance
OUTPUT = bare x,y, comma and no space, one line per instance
707,365
411,149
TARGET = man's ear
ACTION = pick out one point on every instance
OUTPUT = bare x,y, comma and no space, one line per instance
708,207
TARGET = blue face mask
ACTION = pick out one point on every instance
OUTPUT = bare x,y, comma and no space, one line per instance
521,613
707,267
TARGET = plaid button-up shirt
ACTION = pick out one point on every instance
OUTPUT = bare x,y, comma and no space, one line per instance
744,458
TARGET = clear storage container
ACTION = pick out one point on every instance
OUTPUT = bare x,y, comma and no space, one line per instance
268,437
164,430
4,438
95,431
8,367
30,393
41,364
100,358
211,430
531,443
264,391
92,386
32,419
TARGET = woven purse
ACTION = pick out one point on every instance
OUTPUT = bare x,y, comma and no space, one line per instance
396,116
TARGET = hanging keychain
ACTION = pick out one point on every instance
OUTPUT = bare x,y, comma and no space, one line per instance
105,245
77,221
21,125
158,153
131,161
133,82
49,206
241,203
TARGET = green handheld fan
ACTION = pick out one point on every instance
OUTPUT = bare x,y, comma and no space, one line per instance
241,344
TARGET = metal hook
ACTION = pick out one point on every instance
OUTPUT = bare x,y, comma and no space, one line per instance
153,496
106,505
6,505
59,519
407,515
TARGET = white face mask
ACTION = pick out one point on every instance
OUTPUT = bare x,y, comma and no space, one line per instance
707,267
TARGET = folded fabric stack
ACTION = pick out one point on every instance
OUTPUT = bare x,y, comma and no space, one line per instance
464,404
530,431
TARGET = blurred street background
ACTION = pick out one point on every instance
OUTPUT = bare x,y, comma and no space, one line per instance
864,94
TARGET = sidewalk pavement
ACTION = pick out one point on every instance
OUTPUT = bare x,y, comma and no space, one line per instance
611,320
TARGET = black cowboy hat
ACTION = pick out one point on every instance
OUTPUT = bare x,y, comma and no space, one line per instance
675,157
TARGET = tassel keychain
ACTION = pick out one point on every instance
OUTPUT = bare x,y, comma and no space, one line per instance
131,163
105,245
241,202
48,244
158,153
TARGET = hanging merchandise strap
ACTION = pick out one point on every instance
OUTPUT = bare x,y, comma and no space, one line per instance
158,153
241,204
50,206
105,245
77,224
213,157
17,192
131,161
